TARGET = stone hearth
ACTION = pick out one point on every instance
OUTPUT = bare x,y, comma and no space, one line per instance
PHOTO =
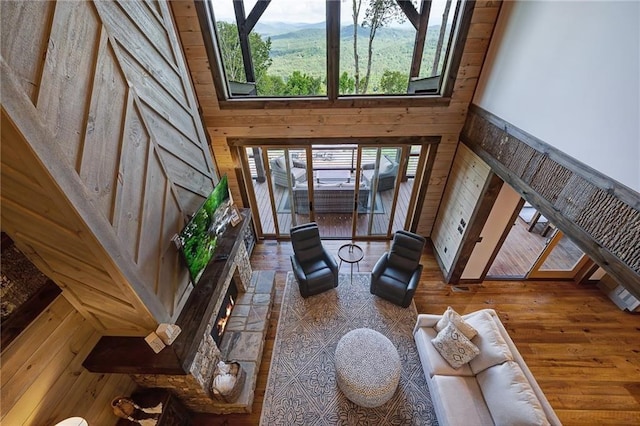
243,342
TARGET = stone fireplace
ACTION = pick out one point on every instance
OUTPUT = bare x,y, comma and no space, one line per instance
224,315
187,366
242,341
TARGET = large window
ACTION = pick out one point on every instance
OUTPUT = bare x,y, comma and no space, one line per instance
333,49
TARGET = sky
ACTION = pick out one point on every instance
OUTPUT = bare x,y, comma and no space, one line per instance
302,11
307,11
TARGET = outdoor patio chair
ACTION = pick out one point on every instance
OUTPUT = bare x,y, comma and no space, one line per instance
386,175
279,172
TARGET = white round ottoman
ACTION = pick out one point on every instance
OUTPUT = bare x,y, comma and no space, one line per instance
367,367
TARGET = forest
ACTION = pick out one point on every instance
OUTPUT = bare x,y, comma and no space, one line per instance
290,59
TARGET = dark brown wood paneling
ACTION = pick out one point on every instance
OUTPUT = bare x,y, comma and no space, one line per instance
599,214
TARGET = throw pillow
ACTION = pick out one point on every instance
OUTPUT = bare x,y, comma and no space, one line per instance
454,346
452,316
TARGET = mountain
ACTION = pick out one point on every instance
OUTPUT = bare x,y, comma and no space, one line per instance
271,29
303,47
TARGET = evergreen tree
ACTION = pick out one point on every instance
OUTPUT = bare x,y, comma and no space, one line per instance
394,82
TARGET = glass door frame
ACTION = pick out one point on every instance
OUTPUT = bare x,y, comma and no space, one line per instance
404,150
536,270
418,192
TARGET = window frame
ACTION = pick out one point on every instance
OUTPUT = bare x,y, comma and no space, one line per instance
333,99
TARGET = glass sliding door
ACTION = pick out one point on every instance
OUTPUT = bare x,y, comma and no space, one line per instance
334,189
562,258
278,179
379,175
534,248
289,187
351,191
407,191
258,190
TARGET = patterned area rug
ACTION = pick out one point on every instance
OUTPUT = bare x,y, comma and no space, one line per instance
302,389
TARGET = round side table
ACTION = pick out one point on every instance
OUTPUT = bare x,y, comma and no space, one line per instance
350,253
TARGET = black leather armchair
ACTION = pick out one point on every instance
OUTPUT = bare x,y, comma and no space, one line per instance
315,270
396,275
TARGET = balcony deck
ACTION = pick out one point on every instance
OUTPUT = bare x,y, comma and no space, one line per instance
335,225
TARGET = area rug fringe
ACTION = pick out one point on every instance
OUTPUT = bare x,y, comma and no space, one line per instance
301,387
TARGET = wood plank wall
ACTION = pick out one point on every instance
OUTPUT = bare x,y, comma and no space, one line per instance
47,229
462,193
104,154
340,123
42,379
599,214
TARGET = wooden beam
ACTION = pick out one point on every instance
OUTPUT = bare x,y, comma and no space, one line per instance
255,14
243,36
131,355
443,27
600,215
346,102
410,12
408,140
463,31
205,20
421,36
333,49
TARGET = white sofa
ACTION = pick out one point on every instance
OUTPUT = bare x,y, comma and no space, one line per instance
495,387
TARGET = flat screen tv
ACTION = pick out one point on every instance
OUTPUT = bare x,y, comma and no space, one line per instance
197,241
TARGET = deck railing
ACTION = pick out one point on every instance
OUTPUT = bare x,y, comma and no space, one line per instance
339,157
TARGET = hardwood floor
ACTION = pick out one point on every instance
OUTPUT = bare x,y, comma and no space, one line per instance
522,248
583,351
